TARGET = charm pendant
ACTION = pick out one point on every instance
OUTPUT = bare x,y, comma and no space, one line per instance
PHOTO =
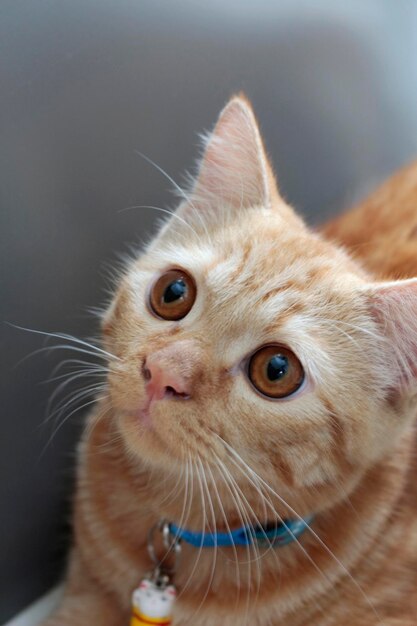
152,603
153,600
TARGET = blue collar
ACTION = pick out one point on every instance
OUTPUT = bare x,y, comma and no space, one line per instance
273,534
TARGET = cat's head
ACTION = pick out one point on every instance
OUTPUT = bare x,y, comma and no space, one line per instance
245,339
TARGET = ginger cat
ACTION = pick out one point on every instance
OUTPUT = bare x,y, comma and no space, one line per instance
258,374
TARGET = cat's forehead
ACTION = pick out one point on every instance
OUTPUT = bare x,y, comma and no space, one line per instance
261,261
257,286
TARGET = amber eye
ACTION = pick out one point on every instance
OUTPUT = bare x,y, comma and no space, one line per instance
173,295
275,371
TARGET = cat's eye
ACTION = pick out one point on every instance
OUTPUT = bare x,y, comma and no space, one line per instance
172,295
275,371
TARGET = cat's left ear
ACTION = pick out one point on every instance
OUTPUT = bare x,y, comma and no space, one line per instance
234,171
393,306
233,175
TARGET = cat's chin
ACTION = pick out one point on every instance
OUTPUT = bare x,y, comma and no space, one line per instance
144,419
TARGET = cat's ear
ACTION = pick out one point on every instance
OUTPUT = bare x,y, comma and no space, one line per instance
233,175
393,306
234,170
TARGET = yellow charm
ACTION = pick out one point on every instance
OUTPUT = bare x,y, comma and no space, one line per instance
152,604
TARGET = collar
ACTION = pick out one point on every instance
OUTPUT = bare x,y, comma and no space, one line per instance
275,534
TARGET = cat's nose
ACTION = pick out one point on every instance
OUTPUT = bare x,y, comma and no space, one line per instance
170,372
162,383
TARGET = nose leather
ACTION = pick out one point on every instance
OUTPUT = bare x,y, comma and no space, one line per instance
161,382
171,371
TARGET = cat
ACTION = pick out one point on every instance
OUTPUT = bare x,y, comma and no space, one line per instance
259,375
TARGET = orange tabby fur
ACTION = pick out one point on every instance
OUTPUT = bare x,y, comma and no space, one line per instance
343,449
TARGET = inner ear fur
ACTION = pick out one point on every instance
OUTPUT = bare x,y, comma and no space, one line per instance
393,306
234,172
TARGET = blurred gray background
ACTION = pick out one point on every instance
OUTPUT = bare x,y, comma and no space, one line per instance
85,83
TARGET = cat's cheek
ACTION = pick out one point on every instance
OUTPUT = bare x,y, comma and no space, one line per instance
126,388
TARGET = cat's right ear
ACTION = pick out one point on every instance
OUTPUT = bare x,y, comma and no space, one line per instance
233,174
393,307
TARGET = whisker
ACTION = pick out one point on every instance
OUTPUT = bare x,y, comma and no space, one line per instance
365,331
71,398
282,521
81,362
167,176
177,187
250,508
245,521
96,351
200,548
209,500
229,532
158,208
74,374
63,422
308,527
280,518
59,347
173,493
200,471
182,516
69,379
249,511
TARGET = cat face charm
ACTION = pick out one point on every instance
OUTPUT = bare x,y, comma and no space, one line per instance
152,604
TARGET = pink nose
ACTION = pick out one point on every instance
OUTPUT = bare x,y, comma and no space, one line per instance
164,381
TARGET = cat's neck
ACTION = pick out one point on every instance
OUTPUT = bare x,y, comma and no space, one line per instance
330,553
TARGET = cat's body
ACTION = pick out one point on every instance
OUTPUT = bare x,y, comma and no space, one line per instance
343,450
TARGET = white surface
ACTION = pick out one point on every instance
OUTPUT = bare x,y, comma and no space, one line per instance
39,610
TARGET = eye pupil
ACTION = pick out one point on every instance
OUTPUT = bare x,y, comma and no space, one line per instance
176,290
277,367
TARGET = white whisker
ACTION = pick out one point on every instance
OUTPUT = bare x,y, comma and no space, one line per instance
63,422
157,208
95,350
229,532
203,529
308,527
244,520
205,489
177,187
